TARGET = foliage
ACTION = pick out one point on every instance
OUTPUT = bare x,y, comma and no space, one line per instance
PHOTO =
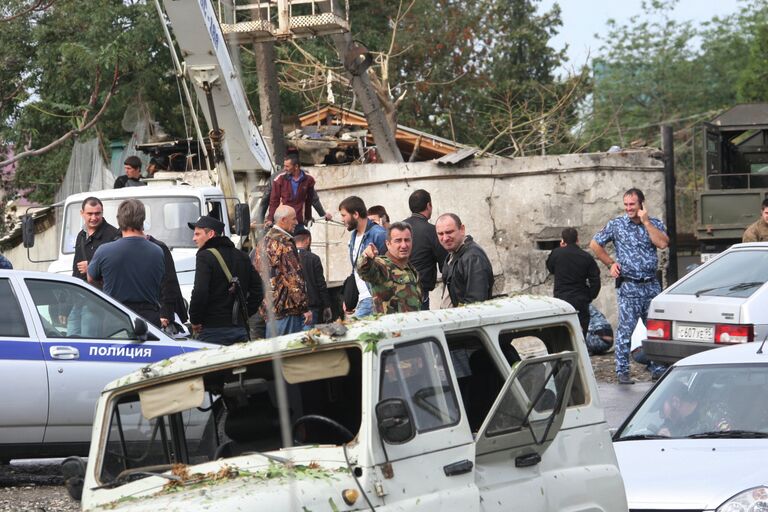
654,70
64,55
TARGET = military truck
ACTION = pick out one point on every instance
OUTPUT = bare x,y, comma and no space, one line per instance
735,176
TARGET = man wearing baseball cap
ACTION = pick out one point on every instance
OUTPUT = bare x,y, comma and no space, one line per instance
227,289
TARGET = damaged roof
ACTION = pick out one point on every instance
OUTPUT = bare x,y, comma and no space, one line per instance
415,145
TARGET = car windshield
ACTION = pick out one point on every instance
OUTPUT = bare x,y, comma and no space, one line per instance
736,274
231,412
167,219
704,401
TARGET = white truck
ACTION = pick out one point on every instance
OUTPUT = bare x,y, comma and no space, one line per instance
169,209
487,407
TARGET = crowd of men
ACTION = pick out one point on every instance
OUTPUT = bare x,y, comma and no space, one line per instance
394,266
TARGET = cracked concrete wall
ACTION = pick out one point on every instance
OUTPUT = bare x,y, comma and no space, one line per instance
510,206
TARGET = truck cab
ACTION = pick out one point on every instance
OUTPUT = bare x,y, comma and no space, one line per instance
484,407
169,209
735,176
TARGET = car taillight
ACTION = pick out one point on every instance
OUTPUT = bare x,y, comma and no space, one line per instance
728,333
659,329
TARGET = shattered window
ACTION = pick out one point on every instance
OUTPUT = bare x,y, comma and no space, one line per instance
417,373
238,414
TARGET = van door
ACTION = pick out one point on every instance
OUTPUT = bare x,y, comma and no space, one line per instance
23,379
520,426
87,342
434,469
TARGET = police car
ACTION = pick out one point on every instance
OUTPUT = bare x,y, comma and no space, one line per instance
61,341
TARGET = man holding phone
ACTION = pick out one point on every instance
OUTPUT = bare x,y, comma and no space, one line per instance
635,236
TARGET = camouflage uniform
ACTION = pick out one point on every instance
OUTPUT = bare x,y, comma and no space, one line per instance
712,418
637,256
394,289
289,292
756,232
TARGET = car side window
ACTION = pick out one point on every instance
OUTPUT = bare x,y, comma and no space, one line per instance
12,321
68,310
418,373
540,341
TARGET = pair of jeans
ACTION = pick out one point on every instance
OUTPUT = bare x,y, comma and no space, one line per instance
286,325
364,308
223,335
82,322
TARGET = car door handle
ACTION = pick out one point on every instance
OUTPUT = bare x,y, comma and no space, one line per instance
458,468
530,459
64,352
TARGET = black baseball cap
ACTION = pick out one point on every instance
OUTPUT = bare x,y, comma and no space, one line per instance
208,222
300,229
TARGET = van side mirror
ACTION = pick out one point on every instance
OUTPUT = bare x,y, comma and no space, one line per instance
140,329
242,219
73,471
395,421
28,231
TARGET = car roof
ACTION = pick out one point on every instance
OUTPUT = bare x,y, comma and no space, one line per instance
38,275
520,307
733,354
149,191
749,245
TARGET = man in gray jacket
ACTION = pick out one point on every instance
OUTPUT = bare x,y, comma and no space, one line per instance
467,272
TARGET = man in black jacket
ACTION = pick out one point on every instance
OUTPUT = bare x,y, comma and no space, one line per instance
577,278
81,321
216,309
467,272
132,176
314,277
171,300
427,253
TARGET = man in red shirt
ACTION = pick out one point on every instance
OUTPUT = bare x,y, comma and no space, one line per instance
294,188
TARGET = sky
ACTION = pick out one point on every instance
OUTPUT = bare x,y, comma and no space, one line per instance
583,18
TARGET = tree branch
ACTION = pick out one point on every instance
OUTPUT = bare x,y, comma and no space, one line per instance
76,131
37,5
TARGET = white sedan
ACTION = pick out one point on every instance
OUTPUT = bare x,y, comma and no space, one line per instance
699,440
723,302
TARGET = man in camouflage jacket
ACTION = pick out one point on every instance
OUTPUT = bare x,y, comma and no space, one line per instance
278,257
394,281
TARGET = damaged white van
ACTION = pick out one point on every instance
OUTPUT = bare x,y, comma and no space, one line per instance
485,407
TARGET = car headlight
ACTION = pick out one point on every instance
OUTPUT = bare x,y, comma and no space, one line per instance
751,500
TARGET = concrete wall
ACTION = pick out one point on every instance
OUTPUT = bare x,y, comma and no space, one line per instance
46,243
507,205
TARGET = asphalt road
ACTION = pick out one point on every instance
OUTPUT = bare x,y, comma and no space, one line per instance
618,400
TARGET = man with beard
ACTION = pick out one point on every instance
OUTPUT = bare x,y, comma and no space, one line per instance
364,232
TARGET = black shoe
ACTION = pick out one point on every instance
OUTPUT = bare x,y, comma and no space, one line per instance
624,378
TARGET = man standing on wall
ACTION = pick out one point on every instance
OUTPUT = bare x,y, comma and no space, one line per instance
132,176
294,188
635,236
577,278
428,254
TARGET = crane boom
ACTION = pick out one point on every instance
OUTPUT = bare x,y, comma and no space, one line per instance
220,93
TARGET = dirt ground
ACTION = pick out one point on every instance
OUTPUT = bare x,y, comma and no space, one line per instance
38,487
605,369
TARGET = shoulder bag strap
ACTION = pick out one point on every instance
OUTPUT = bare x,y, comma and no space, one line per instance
223,265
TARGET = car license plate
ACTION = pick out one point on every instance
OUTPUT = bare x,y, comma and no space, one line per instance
695,333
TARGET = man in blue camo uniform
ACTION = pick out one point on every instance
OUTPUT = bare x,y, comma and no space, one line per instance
635,236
